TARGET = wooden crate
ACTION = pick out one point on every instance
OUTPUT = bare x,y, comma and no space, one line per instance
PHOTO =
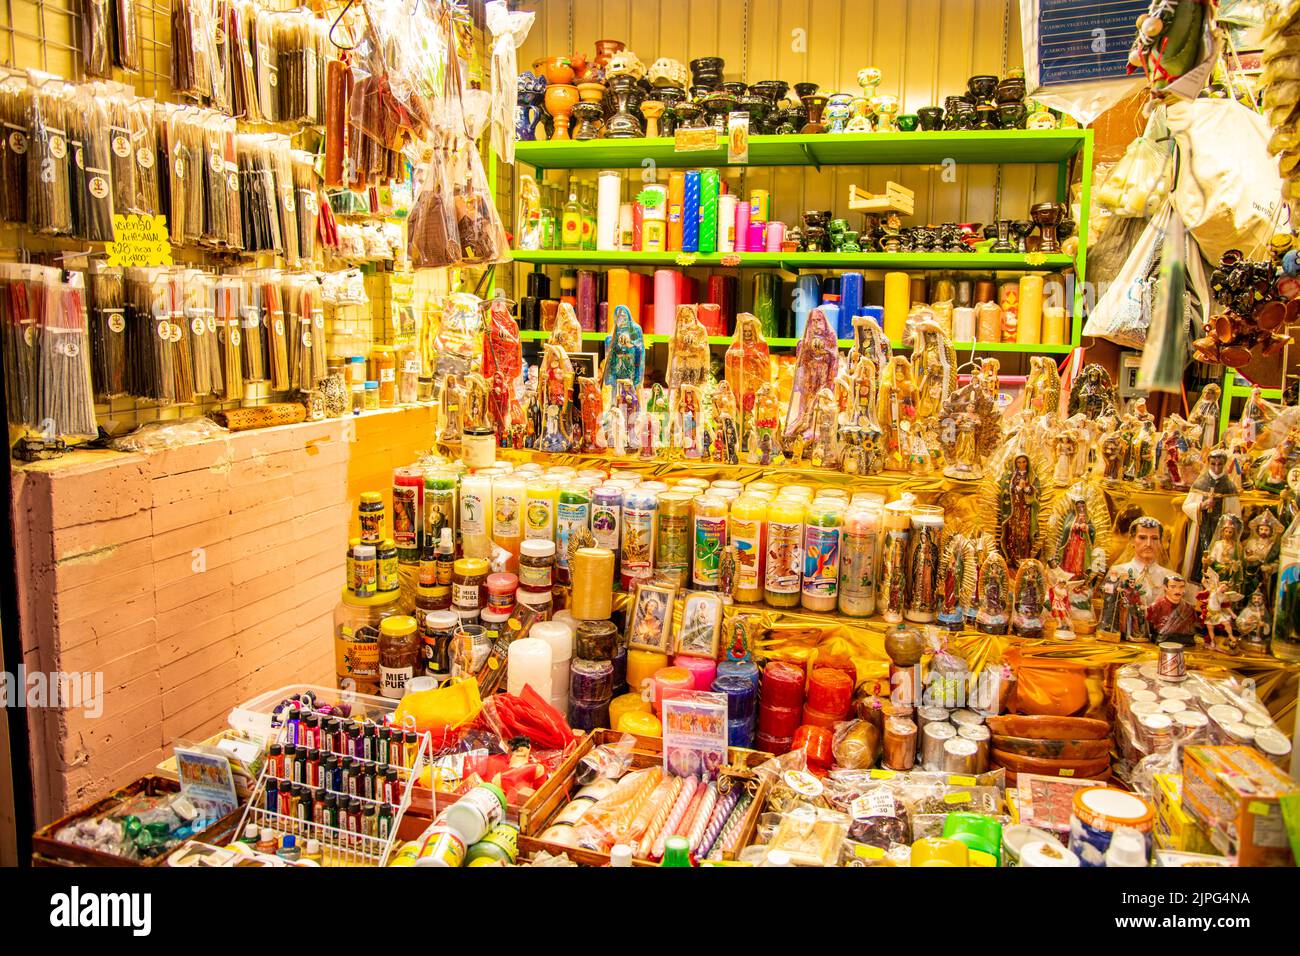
538,811
47,851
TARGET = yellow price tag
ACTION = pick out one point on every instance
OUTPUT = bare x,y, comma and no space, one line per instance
140,241
961,780
1066,772
1258,808
877,774
956,798
864,851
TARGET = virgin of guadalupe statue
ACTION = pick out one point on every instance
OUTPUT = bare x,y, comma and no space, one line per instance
1078,534
477,399
994,595
1019,496
1043,386
817,360
690,414
567,333
748,365
958,574
624,351
1030,599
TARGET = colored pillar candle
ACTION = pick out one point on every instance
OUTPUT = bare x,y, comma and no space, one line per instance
832,313
830,691
775,236
691,212
559,636
637,286
529,664
641,668
874,312
667,282
641,724
627,704
756,242
671,678
742,695
782,685
710,316
709,185
1029,323
852,286
593,584
898,300
807,296
767,293
626,226
721,291
963,324
676,198
1054,325
703,670
508,516
638,223
742,227
617,282
586,296
726,223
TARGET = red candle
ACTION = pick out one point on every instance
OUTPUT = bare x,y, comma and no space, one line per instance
830,691
782,685
711,317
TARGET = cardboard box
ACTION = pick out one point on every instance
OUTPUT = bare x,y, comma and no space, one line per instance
1234,792
1174,828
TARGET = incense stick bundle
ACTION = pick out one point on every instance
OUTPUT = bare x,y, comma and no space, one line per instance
121,154
106,295
230,165
305,202
96,38
182,339
221,57
91,172
259,202
264,67
277,341
144,140
196,294
126,44
19,331
15,137
192,49
150,350
242,79
254,337
65,407
216,227
286,206
49,207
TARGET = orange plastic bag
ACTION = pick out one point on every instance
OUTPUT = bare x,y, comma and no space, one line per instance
1053,687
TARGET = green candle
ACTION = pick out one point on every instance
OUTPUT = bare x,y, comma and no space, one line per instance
708,210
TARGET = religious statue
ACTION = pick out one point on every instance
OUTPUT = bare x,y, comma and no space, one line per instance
1260,553
1256,415
476,401
1142,456
1066,449
958,576
451,408
1171,454
1205,414
726,425
1030,599
727,573
934,365
1217,600
590,437
688,350
1225,553
556,390
862,401
658,405
1019,498
1078,534
1112,457
767,419
567,333
1271,467
531,407
923,573
690,413
503,366
1171,617
817,360
897,413
994,595
624,350
969,430
1213,494
869,342
1043,386
822,451
1093,393
1146,536
1255,622
748,364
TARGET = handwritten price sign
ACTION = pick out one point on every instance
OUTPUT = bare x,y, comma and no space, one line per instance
141,241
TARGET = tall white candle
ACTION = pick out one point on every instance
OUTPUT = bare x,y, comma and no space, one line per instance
529,663
609,188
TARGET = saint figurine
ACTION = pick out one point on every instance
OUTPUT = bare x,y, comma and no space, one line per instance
748,365
1254,622
958,576
503,365
1225,553
1075,551
869,342
822,452
994,595
690,414
1093,393
688,351
590,437
1043,386
567,333
1171,617
556,389
1030,599
934,365
1260,552
1205,415
1019,496
451,408
817,360
1213,494
1171,454
624,350
897,413
1066,448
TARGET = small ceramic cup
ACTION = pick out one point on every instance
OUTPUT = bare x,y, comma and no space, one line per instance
907,122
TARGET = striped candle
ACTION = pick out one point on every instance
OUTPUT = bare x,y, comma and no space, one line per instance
691,212
709,211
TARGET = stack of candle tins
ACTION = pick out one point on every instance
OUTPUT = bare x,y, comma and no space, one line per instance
739,680
598,669
780,709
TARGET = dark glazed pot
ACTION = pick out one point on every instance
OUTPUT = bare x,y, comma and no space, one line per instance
803,90
1012,115
815,104
981,88
930,117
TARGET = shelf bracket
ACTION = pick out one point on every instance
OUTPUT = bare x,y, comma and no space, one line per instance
812,158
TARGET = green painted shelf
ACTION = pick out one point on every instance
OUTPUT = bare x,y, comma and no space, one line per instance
806,260
842,149
781,343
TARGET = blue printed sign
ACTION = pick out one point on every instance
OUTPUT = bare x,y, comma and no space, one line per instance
1081,40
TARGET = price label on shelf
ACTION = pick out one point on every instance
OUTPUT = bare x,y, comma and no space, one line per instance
141,241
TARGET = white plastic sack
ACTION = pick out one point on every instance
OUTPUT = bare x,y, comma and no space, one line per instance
1227,190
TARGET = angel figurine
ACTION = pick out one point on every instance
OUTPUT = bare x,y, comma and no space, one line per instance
1019,498
994,595
897,404
1043,386
748,365
624,350
1216,601
567,333
1255,415
1059,603
817,360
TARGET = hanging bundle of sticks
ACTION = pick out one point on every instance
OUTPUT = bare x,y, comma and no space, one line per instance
91,171
254,337
65,406
276,328
18,314
15,140
227,308
305,201
193,48
151,353
106,295
286,206
49,207
259,197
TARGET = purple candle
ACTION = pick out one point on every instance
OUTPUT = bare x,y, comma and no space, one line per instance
587,300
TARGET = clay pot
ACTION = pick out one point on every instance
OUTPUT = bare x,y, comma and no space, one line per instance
560,100
591,92
815,103
605,49
558,70
930,118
